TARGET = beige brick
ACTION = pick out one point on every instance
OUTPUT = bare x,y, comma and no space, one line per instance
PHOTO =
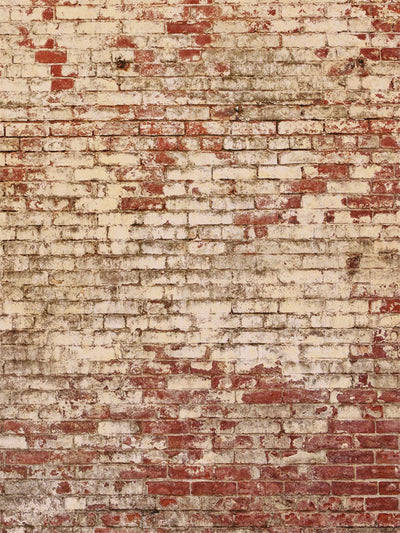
143,27
188,382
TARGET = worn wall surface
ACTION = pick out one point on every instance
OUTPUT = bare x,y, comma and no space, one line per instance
200,266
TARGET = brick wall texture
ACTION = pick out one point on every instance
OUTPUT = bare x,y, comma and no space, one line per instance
200,265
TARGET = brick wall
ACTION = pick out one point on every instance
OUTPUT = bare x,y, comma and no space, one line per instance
200,266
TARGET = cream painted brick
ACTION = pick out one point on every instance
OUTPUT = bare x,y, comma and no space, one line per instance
279,172
122,159
301,457
348,187
255,306
234,173
322,201
195,174
165,219
377,83
142,27
118,98
254,41
77,12
257,128
346,40
326,352
5,323
209,219
188,382
95,353
98,27
310,426
117,428
349,412
288,127
258,426
13,86
22,308
119,219
210,248
239,26
97,205
119,232
10,442
310,40
75,504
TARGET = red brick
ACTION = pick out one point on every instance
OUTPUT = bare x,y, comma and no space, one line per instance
389,488
390,396
315,487
386,519
168,488
256,220
389,142
190,472
376,472
371,53
368,202
387,426
333,472
62,84
332,171
307,186
75,427
48,14
233,473
260,488
350,456
252,519
354,488
390,305
12,174
305,396
190,55
50,56
382,504
143,472
28,457
267,396
378,441
208,488
321,442
144,56
164,427
352,426
356,396
390,54
123,41
387,457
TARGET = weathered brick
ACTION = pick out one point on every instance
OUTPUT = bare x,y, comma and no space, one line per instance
200,284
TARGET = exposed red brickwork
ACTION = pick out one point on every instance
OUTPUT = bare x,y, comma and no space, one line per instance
199,256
